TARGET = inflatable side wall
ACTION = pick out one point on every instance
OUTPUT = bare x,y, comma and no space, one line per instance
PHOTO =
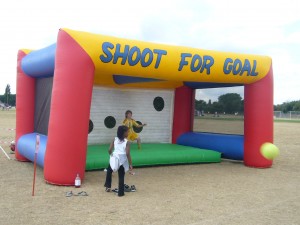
25,104
183,118
258,122
70,110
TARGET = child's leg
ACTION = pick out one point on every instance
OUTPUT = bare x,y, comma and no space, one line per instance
121,173
139,142
108,177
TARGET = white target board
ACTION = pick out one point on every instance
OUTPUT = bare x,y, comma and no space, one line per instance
153,107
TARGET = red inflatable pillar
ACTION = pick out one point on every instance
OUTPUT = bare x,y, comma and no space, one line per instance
69,113
25,100
258,124
183,119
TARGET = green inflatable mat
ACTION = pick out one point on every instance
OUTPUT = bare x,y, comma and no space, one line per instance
152,154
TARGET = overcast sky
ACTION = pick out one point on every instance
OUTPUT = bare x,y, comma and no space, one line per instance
260,27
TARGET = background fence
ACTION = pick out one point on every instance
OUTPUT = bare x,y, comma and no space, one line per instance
291,115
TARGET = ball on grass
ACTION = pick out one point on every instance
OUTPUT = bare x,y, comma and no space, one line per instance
269,151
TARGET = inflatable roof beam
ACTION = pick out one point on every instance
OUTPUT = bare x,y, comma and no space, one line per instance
40,63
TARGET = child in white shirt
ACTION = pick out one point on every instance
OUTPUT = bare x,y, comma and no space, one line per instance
120,159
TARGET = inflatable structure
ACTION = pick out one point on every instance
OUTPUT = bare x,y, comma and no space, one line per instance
74,94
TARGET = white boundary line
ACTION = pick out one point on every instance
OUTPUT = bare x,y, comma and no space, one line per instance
5,153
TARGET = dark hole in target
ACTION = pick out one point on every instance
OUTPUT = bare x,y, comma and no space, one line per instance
110,122
91,126
158,103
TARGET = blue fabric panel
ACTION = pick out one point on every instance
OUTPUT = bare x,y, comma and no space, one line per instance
40,63
121,79
26,147
231,146
203,85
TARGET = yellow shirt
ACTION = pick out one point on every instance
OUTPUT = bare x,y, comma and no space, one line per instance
130,123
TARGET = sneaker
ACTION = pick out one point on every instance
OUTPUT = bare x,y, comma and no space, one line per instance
127,188
133,189
82,193
69,194
115,190
107,189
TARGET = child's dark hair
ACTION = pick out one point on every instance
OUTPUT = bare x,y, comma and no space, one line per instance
121,131
127,112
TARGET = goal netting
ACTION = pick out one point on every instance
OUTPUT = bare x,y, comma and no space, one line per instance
292,115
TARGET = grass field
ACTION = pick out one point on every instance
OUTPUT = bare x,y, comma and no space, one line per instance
201,194
227,125
7,126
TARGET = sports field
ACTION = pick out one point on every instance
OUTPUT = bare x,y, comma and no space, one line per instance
217,193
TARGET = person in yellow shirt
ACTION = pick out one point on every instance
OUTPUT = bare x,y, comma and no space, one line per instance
130,123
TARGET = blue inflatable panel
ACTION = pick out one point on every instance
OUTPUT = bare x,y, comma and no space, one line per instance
26,147
40,63
231,146
203,85
121,79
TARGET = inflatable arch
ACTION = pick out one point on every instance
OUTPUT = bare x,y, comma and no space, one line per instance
65,75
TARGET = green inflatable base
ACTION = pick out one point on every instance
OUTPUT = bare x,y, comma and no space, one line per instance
152,154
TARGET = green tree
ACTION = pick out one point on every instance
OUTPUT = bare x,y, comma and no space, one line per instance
209,107
296,106
231,102
286,107
200,105
7,94
217,107
277,107
242,107
13,99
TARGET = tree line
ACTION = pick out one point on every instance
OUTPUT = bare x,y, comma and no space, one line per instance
229,103
232,103
288,106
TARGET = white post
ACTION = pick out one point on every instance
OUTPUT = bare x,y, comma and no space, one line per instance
37,145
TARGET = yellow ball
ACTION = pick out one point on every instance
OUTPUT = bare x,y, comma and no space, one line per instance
269,151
